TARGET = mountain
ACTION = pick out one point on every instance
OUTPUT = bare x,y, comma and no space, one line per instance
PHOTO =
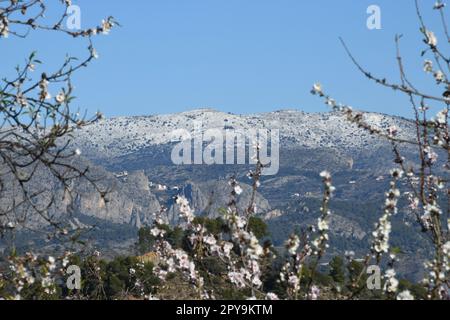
134,155
112,138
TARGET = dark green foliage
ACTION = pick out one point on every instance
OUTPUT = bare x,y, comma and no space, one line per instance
116,281
213,265
418,291
213,226
146,240
356,273
337,270
258,227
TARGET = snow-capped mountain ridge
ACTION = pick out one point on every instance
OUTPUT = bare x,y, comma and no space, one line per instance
124,135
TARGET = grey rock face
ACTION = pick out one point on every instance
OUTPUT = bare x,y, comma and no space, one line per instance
127,201
346,228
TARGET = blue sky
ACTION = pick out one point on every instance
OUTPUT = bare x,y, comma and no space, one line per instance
239,56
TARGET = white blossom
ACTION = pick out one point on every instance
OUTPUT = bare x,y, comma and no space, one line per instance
272,296
315,293
439,76
439,5
227,247
185,210
325,175
292,244
431,38
405,295
106,26
44,94
65,262
323,225
237,278
294,282
238,189
441,117
317,89
210,240
391,285
431,155
4,27
156,232
94,53
428,66
51,263
446,249
60,97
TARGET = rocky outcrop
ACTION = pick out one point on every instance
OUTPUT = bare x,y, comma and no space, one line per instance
127,201
346,228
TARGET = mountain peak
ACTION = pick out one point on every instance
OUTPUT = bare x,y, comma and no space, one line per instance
125,135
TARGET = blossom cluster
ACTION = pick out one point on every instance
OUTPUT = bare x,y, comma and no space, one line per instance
302,250
42,273
323,223
383,229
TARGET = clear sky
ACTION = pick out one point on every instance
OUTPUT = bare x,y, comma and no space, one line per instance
239,56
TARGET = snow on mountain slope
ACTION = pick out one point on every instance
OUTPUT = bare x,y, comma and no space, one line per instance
123,135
